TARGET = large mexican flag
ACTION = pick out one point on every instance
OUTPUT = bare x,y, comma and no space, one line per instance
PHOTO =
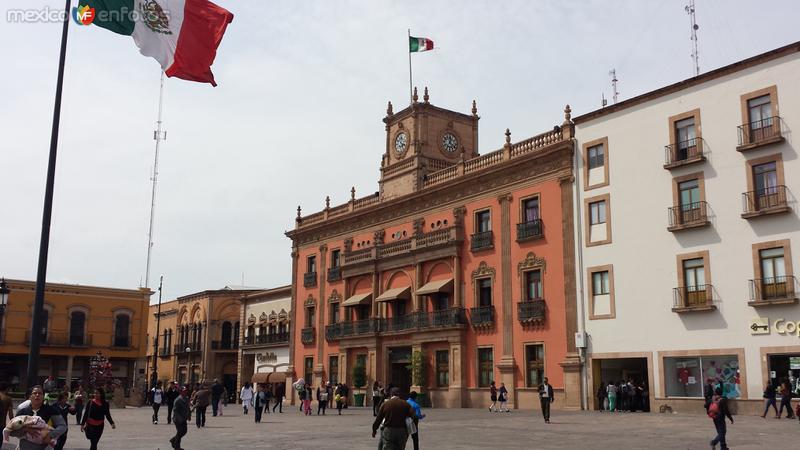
182,35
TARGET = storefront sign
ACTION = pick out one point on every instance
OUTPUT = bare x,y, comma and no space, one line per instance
759,325
784,327
268,357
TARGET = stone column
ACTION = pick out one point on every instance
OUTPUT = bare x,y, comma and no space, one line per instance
572,360
506,365
372,372
456,390
68,375
293,325
458,300
321,309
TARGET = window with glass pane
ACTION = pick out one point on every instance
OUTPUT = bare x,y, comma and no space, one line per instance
441,301
689,197
597,212
335,258
531,209
686,376
596,155
334,313
765,177
485,292
308,369
773,272
534,362
311,264
485,367
333,369
694,279
442,368
483,221
122,330
309,316
600,283
760,112
227,334
77,320
533,283
399,308
685,133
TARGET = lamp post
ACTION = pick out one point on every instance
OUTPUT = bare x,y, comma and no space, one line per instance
3,302
190,372
154,379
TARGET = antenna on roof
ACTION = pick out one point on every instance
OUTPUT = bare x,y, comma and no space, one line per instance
695,54
603,102
613,73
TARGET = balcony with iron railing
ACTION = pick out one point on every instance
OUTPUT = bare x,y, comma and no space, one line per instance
224,345
310,279
773,291
334,274
267,339
690,215
355,328
693,298
424,242
483,240
307,335
759,133
763,202
482,316
422,320
194,347
531,311
533,229
684,153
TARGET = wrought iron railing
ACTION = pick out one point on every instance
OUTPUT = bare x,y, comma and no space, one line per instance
268,338
773,288
531,310
692,296
307,335
481,315
62,339
759,130
684,151
191,346
334,274
310,279
224,345
688,214
533,229
481,240
764,199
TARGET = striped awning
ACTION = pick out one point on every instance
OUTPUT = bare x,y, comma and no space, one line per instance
436,286
358,299
402,293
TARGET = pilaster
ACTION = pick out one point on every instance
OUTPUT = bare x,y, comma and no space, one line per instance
505,274
456,390
322,305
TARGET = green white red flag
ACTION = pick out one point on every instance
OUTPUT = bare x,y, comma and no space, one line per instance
182,35
419,44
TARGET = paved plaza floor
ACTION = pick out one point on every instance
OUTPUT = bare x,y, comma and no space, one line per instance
444,429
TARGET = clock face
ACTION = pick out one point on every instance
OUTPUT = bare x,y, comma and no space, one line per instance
449,142
401,142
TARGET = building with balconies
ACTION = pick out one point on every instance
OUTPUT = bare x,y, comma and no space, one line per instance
724,179
460,268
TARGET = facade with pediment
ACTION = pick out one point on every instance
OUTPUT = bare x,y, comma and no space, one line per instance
264,349
461,265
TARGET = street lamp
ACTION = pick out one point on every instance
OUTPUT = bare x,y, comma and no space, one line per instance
3,296
158,331
190,371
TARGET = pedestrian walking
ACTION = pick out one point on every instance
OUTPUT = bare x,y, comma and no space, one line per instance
339,398
216,394
502,397
170,396
546,398
786,400
307,393
50,385
223,401
6,405
93,422
708,393
631,395
37,407
79,401
770,396
157,394
247,396
391,420
412,400
260,402
718,411
322,398
65,409
612,396
493,397
602,397
202,398
180,417
377,397
280,390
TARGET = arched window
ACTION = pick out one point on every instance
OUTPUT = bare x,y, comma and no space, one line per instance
236,333
227,334
122,330
77,327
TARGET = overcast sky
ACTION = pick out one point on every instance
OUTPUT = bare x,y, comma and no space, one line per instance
297,116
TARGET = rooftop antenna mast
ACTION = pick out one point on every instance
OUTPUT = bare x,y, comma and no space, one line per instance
158,135
692,19
613,73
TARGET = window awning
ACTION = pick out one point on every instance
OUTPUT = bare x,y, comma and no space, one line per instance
436,286
358,299
268,377
395,294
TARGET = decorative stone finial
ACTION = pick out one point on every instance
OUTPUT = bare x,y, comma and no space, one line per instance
508,136
567,114
425,96
327,201
389,111
298,212
353,193
474,108
415,97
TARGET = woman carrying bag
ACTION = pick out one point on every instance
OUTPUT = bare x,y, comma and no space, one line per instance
93,422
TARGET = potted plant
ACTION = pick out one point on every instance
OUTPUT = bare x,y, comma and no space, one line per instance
419,375
359,381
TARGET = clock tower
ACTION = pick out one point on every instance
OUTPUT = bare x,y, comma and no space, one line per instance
422,139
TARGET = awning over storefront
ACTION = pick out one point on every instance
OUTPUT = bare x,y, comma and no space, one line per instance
358,299
268,377
402,293
436,286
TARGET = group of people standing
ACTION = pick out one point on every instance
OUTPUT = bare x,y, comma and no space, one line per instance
326,394
623,396
260,396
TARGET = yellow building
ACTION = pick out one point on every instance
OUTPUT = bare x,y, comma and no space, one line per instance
78,322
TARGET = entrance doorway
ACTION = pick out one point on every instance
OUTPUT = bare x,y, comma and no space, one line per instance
620,371
784,368
399,371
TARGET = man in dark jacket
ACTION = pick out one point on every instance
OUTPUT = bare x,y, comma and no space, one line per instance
708,392
180,417
719,419
545,398
395,411
216,394
171,394
37,407
201,397
280,390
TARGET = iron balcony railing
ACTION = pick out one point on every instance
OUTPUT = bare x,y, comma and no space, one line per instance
268,338
692,296
352,328
773,288
224,345
249,340
310,279
759,131
62,339
533,229
334,274
445,318
531,310
684,152
482,240
764,199
307,335
482,315
689,214
192,346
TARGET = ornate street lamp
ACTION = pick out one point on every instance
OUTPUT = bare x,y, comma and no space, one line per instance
190,371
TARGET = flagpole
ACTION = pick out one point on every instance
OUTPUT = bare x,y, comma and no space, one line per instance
32,377
158,136
410,88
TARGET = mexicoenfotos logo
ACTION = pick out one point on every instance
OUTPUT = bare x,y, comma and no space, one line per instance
83,15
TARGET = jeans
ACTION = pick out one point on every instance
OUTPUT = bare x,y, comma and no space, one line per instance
214,405
156,407
546,409
786,401
415,440
278,404
770,402
376,404
60,442
719,424
259,410
322,406
200,415
180,432
394,438
78,413
169,412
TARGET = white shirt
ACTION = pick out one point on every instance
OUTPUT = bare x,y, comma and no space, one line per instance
157,395
246,394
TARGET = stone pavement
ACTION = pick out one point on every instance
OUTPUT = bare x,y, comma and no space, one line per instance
444,429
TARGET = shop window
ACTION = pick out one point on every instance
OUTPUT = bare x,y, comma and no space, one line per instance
333,369
783,368
442,368
485,366
686,376
534,364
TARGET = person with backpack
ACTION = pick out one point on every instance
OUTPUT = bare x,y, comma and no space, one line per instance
770,396
718,411
708,393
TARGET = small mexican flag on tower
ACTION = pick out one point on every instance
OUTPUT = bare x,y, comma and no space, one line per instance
182,35
419,44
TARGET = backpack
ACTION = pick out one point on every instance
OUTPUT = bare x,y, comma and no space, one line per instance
714,408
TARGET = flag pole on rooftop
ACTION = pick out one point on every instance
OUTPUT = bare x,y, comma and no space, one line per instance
158,135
